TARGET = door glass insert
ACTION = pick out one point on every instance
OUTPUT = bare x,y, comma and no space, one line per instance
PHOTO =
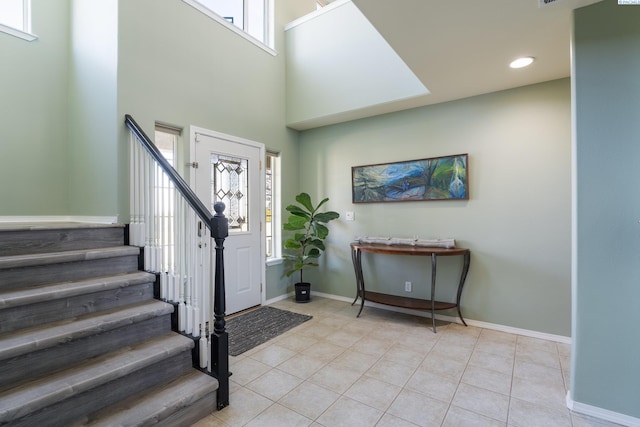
229,185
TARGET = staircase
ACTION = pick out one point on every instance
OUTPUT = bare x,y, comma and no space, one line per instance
83,341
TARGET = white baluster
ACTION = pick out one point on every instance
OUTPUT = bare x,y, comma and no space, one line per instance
174,242
132,186
209,334
147,209
189,307
178,263
162,261
182,312
197,291
196,316
154,216
164,284
181,269
165,224
203,347
190,249
141,236
158,216
134,196
206,287
170,239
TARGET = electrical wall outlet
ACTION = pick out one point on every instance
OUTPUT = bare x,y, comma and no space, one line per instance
407,286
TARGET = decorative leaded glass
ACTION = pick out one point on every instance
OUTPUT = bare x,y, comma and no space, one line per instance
229,184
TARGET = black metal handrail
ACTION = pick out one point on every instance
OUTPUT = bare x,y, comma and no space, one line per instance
219,228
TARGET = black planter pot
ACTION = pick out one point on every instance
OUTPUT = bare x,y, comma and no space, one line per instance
303,292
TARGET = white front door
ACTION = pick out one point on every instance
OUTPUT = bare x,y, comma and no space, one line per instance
229,171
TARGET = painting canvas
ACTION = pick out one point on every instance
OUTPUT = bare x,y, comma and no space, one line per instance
436,178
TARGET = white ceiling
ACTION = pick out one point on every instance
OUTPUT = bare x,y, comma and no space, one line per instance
462,48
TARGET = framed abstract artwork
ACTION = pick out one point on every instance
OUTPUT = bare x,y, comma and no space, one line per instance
436,178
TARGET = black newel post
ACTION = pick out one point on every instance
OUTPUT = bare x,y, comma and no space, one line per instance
220,341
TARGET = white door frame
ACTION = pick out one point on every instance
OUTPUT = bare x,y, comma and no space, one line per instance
193,131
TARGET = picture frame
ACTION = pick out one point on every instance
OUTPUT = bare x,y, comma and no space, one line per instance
430,179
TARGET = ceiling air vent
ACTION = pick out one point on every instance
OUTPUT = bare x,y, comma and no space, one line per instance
543,3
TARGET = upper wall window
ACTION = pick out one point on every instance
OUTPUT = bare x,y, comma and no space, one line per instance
15,18
247,17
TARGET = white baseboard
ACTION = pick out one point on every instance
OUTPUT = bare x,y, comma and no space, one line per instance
61,218
518,331
471,322
278,298
603,414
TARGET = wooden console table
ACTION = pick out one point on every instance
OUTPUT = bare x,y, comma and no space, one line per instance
413,303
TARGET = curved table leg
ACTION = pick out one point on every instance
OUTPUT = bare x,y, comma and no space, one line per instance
355,269
361,276
463,277
434,258
356,257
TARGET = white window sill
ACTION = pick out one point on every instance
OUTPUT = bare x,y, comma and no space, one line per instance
18,33
274,261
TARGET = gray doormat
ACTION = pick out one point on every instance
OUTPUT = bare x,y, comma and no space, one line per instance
258,326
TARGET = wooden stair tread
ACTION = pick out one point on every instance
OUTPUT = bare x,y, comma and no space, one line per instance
53,225
30,260
24,296
37,338
38,394
159,403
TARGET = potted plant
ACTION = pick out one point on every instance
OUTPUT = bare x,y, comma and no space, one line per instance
307,244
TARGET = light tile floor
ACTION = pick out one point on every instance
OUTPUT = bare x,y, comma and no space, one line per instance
389,369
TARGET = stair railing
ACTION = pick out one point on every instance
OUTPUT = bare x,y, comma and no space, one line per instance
177,232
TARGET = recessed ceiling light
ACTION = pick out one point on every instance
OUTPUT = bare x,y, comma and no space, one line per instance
522,62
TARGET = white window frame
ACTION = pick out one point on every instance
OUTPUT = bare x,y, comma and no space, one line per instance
175,132
24,32
268,47
276,214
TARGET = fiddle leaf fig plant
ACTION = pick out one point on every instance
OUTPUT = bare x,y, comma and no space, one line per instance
307,244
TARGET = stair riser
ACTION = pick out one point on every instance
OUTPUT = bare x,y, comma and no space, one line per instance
23,368
73,410
27,316
191,414
182,402
14,278
41,241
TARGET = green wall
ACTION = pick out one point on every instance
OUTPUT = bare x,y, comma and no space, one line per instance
177,66
93,150
517,222
317,88
605,362
34,79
